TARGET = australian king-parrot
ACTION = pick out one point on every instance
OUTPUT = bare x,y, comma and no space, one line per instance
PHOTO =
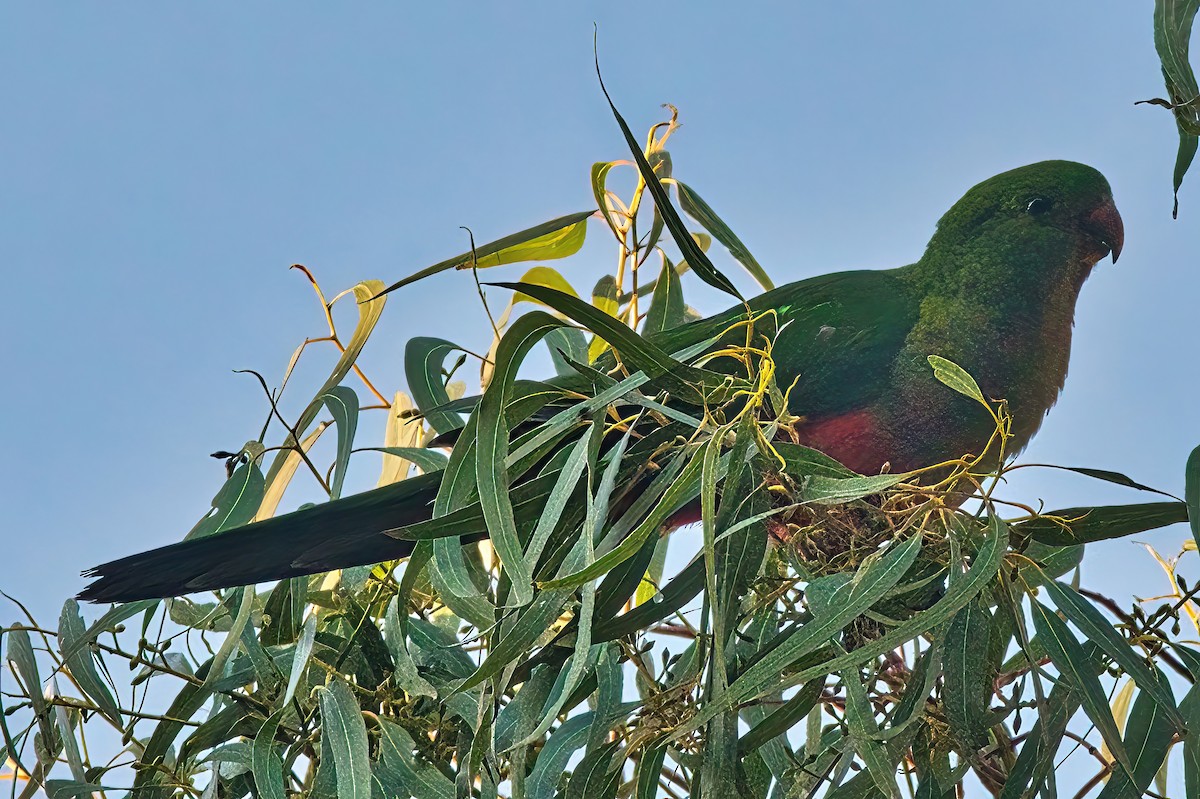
994,291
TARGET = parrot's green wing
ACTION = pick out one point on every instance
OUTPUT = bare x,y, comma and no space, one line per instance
837,336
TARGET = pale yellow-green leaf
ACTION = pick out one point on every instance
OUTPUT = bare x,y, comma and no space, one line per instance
548,247
369,311
401,431
604,297
1121,703
954,376
537,276
283,477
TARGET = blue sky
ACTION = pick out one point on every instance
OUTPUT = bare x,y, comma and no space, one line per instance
166,163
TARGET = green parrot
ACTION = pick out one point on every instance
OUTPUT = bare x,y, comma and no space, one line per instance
994,292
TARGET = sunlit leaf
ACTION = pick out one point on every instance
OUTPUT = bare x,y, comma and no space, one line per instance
557,238
402,436
283,476
954,376
369,311
604,299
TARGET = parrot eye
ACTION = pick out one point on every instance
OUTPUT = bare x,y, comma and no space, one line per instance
1038,206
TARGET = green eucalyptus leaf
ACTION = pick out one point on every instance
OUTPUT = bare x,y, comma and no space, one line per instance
957,378
343,405
667,308
694,206
235,504
427,460
80,662
967,687
399,773
1091,622
1085,525
1071,661
695,256
874,578
1172,34
267,765
423,363
491,473
342,725
864,733
1149,733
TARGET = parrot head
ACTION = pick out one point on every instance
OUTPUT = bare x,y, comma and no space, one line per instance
1047,206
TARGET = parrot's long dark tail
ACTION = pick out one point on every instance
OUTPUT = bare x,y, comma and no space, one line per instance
334,535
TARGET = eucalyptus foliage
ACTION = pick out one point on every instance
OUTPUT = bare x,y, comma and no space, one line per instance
831,634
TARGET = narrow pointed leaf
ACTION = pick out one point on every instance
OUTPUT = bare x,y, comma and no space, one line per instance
1149,733
235,504
1085,525
427,460
680,492
783,718
423,359
874,578
860,719
557,238
300,657
343,405
1172,34
370,308
694,206
342,725
699,262
1069,658
968,685
637,351
1108,477
667,308
491,472
1190,709
81,663
1091,622
267,765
